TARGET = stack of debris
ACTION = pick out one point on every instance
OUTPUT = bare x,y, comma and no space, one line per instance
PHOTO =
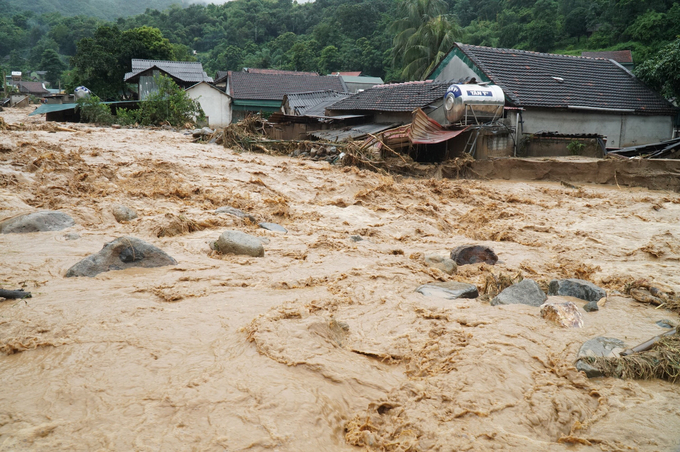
665,150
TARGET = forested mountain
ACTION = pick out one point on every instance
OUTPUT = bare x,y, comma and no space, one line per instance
331,35
102,9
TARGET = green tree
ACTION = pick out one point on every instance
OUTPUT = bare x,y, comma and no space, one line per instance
329,60
424,35
51,63
662,71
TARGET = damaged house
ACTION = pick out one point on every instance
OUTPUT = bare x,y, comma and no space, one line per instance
559,97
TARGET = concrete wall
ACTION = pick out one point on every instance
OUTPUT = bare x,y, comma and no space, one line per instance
216,105
620,129
456,70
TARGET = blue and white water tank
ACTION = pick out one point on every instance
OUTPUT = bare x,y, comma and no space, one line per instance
483,102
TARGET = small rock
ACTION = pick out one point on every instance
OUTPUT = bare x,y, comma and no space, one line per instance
237,242
236,212
576,288
115,126
473,254
123,213
273,227
46,220
525,292
599,346
665,323
564,314
442,263
124,252
591,306
72,236
356,238
449,290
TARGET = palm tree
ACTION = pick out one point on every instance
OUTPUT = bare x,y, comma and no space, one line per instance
424,35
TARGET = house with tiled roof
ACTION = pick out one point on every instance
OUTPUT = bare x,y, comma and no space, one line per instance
623,57
263,91
394,102
184,73
36,89
565,95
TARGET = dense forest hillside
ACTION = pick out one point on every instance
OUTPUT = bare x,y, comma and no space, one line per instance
331,35
102,9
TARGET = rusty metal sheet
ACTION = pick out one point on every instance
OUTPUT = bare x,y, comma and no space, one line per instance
425,130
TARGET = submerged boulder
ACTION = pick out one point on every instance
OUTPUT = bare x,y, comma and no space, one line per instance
122,253
233,211
525,292
473,254
273,227
577,288
607,347
46,220
237,242
442,263
449,290
123,213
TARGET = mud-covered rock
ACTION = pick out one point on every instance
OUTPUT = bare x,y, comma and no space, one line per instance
525,292
576,288
233,211
46,220
273,227
72,236
237,242
607,347
473,254
122,253
442,263
591,306
564,314
449,290
123,213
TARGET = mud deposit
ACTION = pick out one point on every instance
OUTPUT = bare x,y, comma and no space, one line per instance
323,343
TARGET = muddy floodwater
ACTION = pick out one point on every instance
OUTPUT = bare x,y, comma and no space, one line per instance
323,343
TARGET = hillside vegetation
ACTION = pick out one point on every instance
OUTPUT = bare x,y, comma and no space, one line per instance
357,35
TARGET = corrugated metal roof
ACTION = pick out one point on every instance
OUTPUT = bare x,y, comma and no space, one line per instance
188,71
425,130
51,108
311,103
354,133
403,97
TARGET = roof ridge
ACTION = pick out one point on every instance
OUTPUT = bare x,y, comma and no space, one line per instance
531,52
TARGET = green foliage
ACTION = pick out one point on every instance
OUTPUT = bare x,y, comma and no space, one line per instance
103,9
662,71
94,111
575,147
51,63
169,104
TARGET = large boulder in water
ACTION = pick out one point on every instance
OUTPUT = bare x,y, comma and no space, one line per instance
237,242
46,220
473,254
525,292
122,253
577,288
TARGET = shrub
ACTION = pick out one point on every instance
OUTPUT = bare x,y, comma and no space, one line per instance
93,110
169,104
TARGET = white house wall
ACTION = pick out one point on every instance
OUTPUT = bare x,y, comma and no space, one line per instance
215,105
621,130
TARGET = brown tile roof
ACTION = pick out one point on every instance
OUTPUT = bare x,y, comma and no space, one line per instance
257,86
620,56
32,88
532,79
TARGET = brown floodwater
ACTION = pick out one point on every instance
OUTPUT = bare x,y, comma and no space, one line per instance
321,345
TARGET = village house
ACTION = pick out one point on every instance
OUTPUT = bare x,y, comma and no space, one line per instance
184,73
565,95
262,90
623,57
216,104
